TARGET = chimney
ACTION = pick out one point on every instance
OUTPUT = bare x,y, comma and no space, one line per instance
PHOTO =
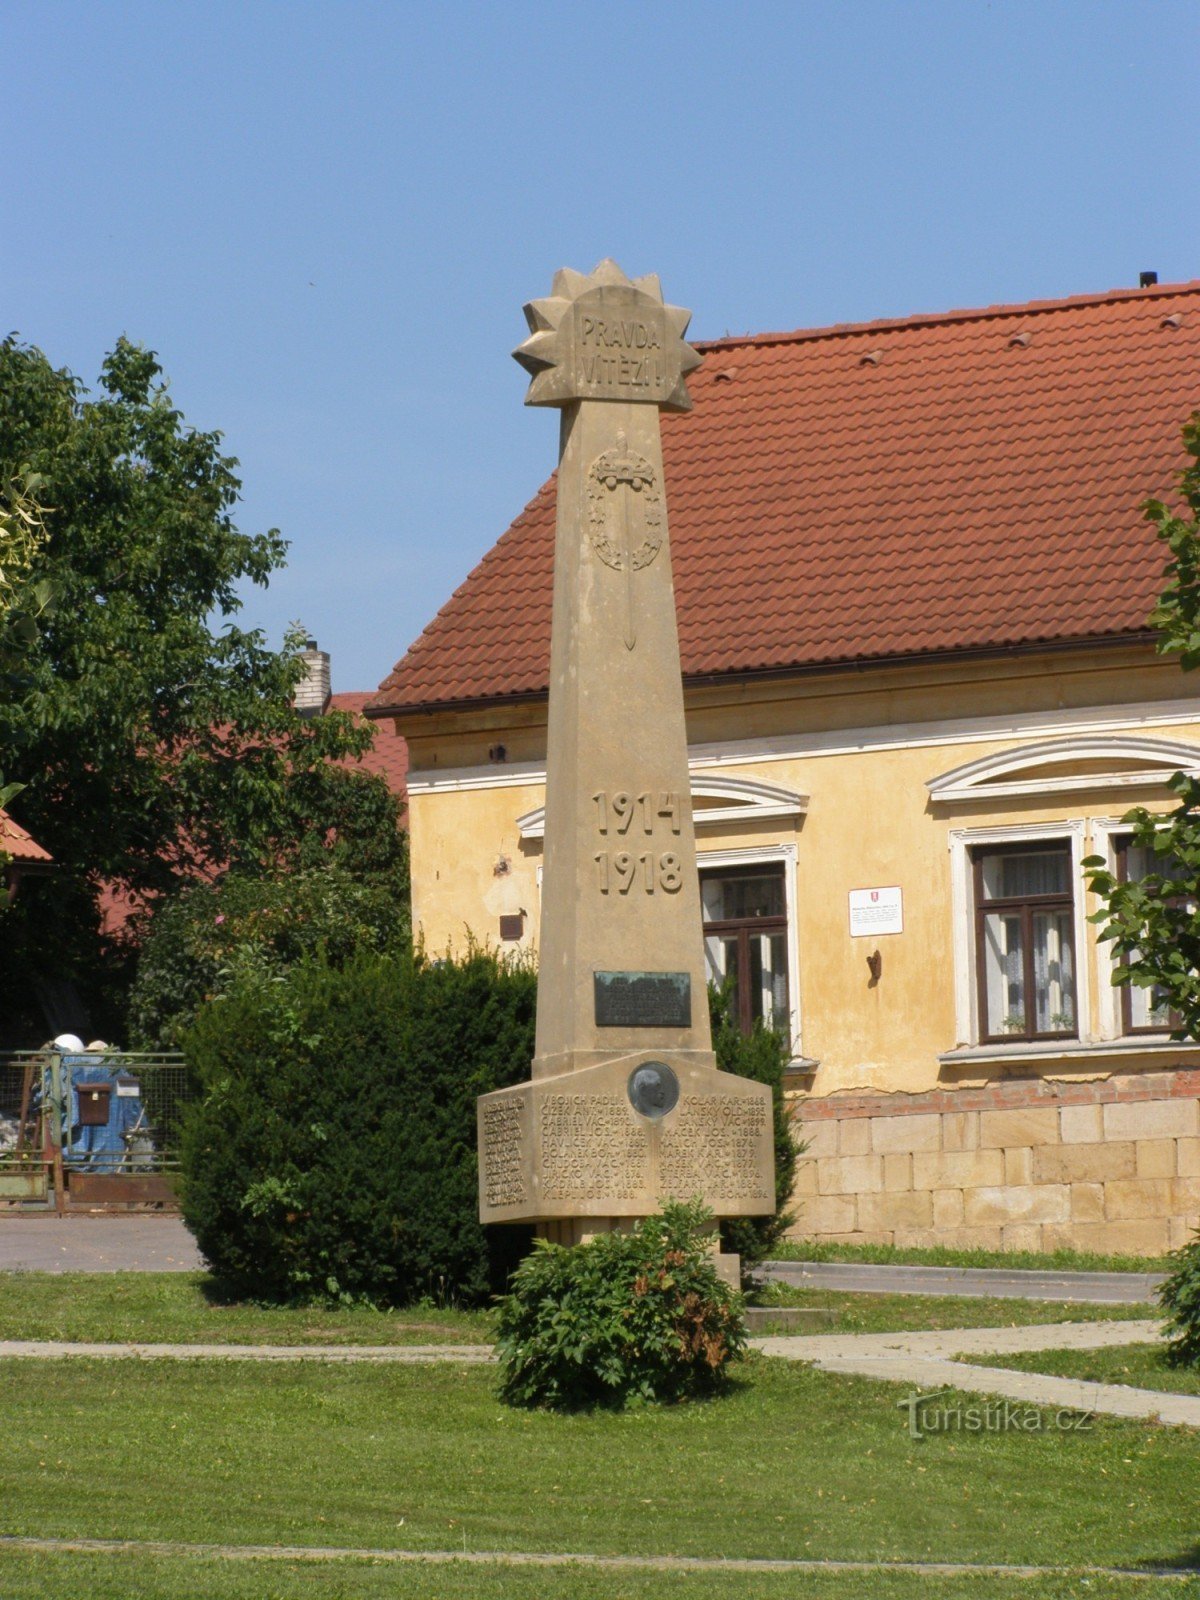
1147,280
312,692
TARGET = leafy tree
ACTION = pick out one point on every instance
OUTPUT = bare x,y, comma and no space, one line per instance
1153,923
157,737
22,601
212,939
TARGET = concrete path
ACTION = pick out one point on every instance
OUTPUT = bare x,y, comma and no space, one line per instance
562,1558
853,1277
136,1242
926,1361
367,1354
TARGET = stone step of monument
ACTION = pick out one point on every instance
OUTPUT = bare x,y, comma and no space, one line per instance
788,1319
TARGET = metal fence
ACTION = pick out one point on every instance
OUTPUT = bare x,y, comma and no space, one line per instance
90,1130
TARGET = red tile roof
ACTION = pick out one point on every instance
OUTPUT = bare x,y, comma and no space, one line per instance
968,481
15,842
389,757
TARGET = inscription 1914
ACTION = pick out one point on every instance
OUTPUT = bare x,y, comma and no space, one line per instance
627,812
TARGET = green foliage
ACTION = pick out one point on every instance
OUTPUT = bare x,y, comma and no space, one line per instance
627,1317
1153,923
22,600
1179,1297
332,1155
346,893
155,735
762,1055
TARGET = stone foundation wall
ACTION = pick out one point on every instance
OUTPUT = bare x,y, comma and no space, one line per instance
1024,1164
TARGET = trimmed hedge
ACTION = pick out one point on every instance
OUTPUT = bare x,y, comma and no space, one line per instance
762,1055
333,1152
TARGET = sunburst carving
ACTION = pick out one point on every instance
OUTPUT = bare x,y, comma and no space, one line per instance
604,336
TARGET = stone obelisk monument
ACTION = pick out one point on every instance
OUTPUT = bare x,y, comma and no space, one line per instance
625,1107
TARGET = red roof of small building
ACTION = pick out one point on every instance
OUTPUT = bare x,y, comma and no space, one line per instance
389,755
15,842
969,481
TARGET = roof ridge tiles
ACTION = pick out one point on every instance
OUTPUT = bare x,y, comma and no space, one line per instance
924,319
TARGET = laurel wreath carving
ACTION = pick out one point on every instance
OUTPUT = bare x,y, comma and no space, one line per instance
616,469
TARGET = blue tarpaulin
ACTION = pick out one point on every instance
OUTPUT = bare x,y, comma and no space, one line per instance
108,1145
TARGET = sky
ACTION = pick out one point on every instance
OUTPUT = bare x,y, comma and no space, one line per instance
325,219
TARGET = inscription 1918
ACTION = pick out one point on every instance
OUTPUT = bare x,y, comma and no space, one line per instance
627,812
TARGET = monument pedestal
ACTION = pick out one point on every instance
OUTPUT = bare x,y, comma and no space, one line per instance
618,1139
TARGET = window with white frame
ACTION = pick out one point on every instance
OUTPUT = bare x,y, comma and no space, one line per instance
746,939
1025,940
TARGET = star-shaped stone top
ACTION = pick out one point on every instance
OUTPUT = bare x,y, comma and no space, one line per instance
603,336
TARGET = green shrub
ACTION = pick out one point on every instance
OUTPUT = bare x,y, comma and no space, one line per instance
205,941
333,1152
627,1317
1180,1299
762,1055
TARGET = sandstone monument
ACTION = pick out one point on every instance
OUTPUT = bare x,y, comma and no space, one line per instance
625,1107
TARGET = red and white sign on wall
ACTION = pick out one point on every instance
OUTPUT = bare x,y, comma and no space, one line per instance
876,911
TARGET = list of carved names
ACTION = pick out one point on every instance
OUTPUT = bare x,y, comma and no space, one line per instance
591,1148
715,1147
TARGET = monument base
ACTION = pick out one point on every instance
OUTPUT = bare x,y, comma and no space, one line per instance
578,1230
618,1139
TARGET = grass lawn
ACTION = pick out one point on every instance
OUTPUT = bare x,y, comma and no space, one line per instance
137,1577
182,1308
1141,1366
940,1256
792,1463
178,1308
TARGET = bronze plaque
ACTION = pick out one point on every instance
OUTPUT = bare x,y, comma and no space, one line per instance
643,999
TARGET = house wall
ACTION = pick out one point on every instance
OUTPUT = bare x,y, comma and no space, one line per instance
861,747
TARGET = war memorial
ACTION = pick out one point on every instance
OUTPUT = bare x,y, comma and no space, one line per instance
625,1107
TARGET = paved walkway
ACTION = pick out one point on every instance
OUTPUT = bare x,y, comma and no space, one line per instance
137,1242
925,1360
999,1283
561,1558
366,1354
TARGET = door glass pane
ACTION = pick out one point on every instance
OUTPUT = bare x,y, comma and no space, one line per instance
1053,972
1004,980
752,894
1021,873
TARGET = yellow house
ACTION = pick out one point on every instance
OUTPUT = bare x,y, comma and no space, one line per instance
912,582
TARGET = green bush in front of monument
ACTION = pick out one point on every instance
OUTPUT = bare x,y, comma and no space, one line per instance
332,1153
1179,1296
625,1318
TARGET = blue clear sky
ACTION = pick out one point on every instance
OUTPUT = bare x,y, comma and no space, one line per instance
325,218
